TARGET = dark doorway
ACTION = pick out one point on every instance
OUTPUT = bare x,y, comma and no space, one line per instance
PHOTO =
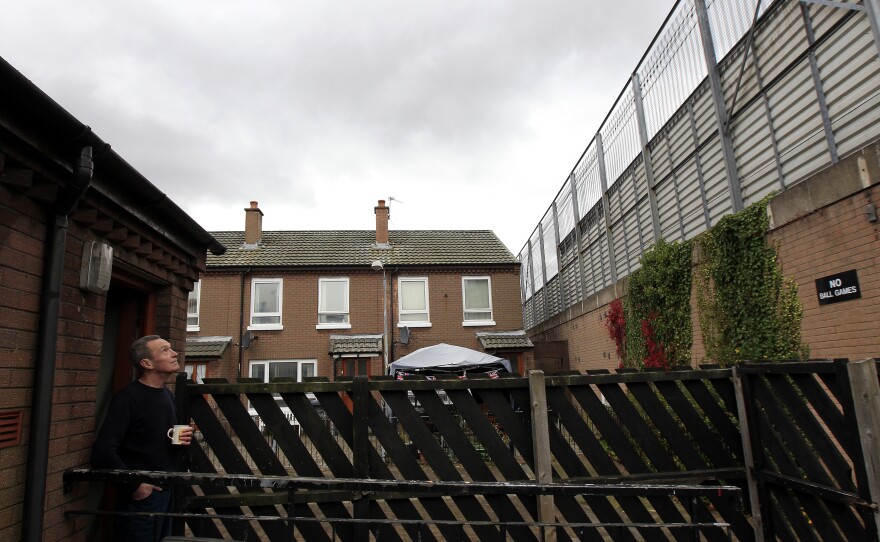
129,314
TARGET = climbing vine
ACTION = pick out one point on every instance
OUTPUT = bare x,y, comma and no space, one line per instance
748,310
656,309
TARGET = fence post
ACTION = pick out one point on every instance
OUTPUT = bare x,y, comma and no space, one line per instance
360,455
748,458
541,448
181,403
865,391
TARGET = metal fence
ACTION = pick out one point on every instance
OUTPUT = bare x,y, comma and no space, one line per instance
733,100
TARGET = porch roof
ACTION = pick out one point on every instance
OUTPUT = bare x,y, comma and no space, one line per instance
504,340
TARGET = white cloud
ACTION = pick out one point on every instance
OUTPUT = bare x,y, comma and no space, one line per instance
470,113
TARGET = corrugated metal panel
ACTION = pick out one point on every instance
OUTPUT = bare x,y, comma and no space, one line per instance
755,158
851,78
715,176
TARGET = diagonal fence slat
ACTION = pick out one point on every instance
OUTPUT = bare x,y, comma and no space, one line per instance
437,459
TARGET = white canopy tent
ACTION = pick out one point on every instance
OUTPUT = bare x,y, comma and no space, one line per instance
447,358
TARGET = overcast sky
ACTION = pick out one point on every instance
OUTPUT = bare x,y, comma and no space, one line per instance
470,114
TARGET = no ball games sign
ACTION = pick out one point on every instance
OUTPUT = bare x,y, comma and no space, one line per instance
839,287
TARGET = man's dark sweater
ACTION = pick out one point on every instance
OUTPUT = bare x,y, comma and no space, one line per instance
134,434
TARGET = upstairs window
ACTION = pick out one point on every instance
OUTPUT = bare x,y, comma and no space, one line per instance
192,307
477,294
333,303
266,303
413,301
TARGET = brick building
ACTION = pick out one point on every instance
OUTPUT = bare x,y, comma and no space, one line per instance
318,303
92,255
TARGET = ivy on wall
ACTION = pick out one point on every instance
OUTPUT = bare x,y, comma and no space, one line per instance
656,309
748,310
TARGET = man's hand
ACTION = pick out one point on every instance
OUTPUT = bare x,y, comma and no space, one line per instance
186,436
143,491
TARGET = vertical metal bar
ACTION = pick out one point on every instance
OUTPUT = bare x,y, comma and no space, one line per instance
817,84
531,277
865,395
699,164
675,185
743,407
562,297
646,155
606,206
543,270
575,208
769,112
638,216
872,10
721,115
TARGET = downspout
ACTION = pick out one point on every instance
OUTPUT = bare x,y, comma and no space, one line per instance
391,318
241,322
47,349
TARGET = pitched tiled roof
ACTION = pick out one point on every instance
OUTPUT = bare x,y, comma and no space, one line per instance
508,340
206,347
348,248
355,344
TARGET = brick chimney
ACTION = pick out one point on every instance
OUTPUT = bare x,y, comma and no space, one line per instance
253,225
382,215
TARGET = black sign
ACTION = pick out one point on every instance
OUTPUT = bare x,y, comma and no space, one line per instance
840,287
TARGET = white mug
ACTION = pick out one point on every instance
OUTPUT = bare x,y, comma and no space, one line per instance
174,433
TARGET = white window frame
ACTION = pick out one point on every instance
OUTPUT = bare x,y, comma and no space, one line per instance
465,310
400,310
334,325
299,378
275,325
197,294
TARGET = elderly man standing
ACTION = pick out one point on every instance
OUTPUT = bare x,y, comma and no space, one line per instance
134,436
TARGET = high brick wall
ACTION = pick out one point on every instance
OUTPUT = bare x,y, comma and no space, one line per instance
819,228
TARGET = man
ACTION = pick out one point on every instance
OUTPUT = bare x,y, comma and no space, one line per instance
134,436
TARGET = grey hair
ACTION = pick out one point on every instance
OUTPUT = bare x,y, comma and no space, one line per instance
140,349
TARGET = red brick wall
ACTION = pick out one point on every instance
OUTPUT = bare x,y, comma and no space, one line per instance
831,240
220,308
23,232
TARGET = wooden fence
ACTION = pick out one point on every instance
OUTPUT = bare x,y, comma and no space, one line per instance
758,452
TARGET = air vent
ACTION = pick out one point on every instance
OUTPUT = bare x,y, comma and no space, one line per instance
10,429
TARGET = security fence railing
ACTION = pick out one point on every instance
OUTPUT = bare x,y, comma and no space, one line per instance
733,100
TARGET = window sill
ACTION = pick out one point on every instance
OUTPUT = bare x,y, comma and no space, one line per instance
193,328
475,323
333,326
413,324
265,327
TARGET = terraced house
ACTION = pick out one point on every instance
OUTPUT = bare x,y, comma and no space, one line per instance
344,303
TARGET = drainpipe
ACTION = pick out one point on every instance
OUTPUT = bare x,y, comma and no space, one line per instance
241,322
47,349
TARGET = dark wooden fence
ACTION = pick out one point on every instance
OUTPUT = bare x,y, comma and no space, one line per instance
763,451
